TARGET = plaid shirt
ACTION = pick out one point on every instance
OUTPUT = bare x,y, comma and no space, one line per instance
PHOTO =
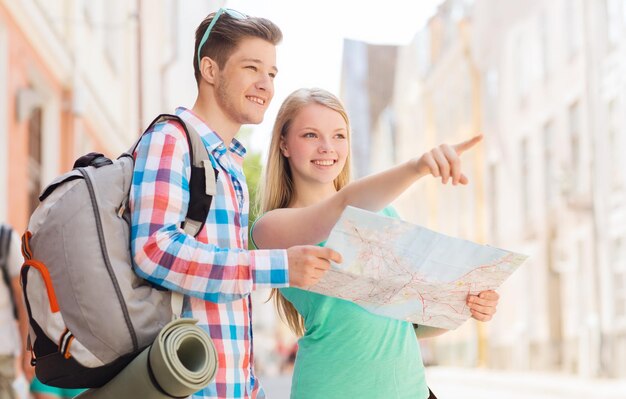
214,271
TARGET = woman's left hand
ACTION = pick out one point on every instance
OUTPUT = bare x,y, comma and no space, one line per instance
483,305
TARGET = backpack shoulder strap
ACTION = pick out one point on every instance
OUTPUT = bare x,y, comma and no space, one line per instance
174,118
202,188
202,184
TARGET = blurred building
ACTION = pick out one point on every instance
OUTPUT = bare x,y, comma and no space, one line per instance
84,75
555,112
367,79
545,83
437,100
431,96
538,159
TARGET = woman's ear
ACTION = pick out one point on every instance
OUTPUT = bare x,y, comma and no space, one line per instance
208,69
283,148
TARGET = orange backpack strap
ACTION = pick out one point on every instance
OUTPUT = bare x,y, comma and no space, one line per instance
43,270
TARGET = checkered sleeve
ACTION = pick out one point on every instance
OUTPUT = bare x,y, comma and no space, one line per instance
163,253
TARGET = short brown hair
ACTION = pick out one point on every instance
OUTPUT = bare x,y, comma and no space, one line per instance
226,34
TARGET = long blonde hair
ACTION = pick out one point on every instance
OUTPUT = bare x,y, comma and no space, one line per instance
277,188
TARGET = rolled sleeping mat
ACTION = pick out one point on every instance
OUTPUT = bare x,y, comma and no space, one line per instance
181,361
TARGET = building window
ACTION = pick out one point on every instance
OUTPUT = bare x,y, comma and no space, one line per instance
492,91
618,263
549,164
614,21
616,171
89,13
523,69
572,28
525,179
493,84
544,46
113,29
574,145
34,158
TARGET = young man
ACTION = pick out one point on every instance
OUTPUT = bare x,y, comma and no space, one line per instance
235,66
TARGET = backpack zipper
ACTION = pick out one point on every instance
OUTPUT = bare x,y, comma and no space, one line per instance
107,261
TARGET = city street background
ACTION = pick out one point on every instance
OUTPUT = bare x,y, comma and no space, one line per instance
543,80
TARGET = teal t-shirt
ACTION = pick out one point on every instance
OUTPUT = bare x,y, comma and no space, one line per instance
348,352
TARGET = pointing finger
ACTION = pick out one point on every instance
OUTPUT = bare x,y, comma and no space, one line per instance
466,145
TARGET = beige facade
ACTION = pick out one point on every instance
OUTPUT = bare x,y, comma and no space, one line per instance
84,75
554,131
437,100
534,114
544,82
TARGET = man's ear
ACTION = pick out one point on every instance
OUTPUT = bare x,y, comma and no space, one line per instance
208,69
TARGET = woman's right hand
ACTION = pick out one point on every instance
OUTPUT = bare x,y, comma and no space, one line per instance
444,161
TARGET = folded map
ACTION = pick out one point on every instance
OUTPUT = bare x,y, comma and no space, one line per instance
408,272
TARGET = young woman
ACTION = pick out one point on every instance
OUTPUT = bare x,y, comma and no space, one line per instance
344,351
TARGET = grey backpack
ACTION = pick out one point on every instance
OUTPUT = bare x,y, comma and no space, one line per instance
90,314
